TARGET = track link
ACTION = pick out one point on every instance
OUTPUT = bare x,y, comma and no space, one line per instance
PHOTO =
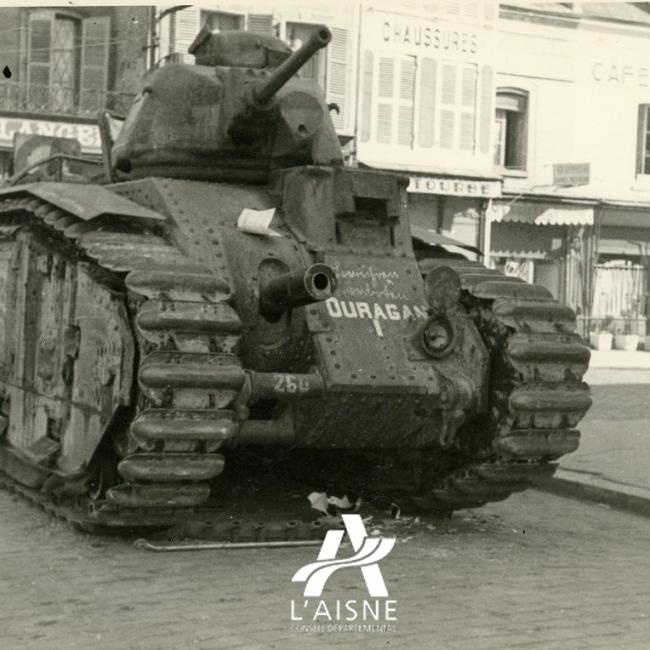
537,396
189,374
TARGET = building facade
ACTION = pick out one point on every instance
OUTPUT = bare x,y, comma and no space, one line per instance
334,67
414,87
61,65
572,146
524,128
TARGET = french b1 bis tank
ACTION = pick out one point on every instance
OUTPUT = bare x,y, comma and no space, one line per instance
156,323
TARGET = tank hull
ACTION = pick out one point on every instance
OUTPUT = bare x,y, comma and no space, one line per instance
136,357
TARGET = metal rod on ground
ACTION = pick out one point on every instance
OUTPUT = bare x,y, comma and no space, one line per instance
164,548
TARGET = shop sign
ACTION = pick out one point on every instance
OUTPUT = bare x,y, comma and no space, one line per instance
570,174
87,134
483,189
617,74
453,38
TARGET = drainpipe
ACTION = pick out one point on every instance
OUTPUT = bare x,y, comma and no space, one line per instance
485,230
153,37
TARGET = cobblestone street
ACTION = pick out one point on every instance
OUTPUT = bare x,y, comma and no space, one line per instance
536,571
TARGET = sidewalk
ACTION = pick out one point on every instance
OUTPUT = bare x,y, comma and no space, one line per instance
618,367
612,464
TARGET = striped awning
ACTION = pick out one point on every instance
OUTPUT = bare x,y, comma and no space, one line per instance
542,214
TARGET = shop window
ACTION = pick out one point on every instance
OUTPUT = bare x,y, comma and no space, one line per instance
221,21
316,67
5,164
511,129
643,141
67,62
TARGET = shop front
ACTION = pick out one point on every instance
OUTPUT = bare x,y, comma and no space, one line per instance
453,206
545,242
619,290
85,133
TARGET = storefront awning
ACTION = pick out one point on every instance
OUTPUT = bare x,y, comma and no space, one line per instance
434,238
542,213
524,240
638,217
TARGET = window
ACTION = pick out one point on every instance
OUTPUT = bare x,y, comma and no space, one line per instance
396,100
643,140
424,103
316,67
53,61
458,107
67,60
219,21
511,129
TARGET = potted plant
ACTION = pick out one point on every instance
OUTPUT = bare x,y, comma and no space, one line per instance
627,341
601,337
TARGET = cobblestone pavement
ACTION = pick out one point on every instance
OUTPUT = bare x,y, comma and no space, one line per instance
536,571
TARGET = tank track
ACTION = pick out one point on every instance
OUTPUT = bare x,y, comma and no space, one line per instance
189,375
536,394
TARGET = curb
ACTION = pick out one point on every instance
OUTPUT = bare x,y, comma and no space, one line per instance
589,487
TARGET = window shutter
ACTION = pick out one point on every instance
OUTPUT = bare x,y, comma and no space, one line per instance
468,88
486,117
448,115
338,76
467,125
385,109
468,102
186,24
384,123
95,34
39,47
407,101
640,137
447,129
260,23
366,95
449,85
427,103
386,73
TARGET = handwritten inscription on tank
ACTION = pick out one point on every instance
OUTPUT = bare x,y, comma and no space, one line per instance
365,281
374,293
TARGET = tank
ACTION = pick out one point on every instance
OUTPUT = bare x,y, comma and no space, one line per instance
232,289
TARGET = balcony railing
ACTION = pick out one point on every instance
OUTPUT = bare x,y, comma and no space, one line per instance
18,97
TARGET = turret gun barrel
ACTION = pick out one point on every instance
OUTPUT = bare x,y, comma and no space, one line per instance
296,289
265,91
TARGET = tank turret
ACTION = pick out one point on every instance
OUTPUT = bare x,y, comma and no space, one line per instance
236,114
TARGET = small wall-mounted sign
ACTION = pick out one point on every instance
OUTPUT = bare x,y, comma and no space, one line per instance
571,174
